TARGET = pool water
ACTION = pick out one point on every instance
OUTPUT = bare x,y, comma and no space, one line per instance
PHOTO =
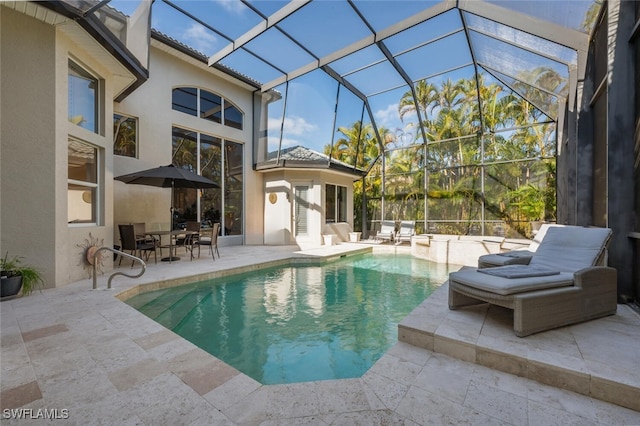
299,323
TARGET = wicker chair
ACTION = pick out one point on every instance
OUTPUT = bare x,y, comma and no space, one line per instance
559,286
140,229
190,239
135,247
209,237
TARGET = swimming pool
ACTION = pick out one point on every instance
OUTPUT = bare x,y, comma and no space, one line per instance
299,323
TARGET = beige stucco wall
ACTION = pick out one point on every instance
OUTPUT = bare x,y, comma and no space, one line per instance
151,104
27,141
74,238
34,144
279,216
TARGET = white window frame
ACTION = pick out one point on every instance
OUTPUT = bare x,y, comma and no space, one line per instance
97,104
223,102
336,207
137,139
97,186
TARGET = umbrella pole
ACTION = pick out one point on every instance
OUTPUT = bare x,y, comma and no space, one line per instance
171,256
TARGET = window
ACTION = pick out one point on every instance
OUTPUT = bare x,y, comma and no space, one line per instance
82,186
207,105
220,160
125,136
233,164
336,203
210,167
185,99
83,98
185,155
232,116
210,107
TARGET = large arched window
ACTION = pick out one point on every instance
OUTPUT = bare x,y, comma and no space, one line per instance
206,105
220,160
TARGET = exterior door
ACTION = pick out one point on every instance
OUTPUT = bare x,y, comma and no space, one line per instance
301,211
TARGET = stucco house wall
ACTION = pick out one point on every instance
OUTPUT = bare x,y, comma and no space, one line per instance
151,104
27,140
34,132
279,227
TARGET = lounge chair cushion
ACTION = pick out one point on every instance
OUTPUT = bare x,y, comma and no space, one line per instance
518,271
508,258
570,249
516,253
506,286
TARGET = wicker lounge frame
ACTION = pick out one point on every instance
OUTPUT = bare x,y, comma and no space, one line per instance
577,290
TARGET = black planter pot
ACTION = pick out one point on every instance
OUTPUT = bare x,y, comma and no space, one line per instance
10,286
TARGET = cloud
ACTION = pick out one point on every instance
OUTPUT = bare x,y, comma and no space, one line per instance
232,6
293,126
298,126
199,38
387,117
390,119
286,143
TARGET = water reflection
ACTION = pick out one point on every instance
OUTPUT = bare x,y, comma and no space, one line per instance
302,323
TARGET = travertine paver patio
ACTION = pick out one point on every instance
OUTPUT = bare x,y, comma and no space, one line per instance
96,360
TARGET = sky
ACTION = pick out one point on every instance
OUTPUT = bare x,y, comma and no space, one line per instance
326,26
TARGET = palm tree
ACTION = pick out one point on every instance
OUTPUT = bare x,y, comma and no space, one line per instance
426,97
355,147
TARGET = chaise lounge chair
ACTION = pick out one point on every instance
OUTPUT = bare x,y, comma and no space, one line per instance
387,230
407,230
559,286
515,257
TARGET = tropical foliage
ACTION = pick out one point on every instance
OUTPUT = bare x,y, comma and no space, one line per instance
484,159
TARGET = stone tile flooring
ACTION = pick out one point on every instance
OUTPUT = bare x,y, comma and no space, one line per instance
84,357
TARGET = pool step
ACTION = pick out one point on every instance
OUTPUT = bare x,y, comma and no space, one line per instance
183,308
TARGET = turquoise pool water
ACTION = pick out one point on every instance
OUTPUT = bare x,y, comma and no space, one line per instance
299,323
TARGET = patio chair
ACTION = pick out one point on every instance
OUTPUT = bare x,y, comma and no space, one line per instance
387,231
515,257
140,229
136,248
407,230
209,237
559,286
189,240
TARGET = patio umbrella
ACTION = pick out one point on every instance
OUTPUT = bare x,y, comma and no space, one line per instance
168,177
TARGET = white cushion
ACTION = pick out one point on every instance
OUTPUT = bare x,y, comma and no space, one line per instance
518,271
507,286
507,258
571,248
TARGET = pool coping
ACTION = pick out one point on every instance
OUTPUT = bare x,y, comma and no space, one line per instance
85,350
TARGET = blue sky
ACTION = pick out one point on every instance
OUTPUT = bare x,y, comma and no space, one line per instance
325,26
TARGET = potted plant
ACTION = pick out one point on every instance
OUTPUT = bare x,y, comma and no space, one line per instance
15,276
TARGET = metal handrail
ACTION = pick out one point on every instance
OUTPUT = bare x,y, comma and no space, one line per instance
121,253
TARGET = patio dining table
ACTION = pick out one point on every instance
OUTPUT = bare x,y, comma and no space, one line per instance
173,233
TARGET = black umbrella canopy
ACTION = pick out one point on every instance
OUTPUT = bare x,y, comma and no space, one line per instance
168,177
